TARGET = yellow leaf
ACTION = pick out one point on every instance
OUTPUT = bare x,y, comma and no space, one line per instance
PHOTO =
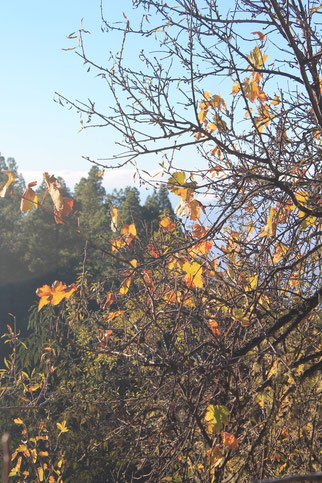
269,229
167,223
134,263
276,100
55,294
212,127
29,198
216,416
11,178
16,470
62,427
129,230
125,286
193,274
43,454
18,421
40,473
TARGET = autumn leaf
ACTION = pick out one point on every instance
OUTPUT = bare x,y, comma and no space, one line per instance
216,417
125,286
153,250
55,294
269,229
176,180
260,35
198,230
276,100
229,440
62,206
193,276
167,224
29,198
214,326
18,421
256,58
107,334
11,178
112,315
117,244
129,230
62,427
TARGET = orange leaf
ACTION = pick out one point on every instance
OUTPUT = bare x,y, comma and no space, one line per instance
112,315
109,299
229,440
153,250
129,231
260,35
55,294
167,223
214,326
29,198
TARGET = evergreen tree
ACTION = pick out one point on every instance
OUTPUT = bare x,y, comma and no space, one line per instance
163,200
131,210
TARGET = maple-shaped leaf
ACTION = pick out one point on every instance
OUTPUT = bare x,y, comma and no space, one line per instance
11,178
55,294
29,198
193,276
62,206
114,216
229,440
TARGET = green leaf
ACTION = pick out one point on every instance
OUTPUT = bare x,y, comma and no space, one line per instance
216,416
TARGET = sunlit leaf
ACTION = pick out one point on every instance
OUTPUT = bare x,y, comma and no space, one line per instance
29,198
216,417
11,178
55,294
193,276
62,427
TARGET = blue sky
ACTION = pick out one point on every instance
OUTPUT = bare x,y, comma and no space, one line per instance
37,132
